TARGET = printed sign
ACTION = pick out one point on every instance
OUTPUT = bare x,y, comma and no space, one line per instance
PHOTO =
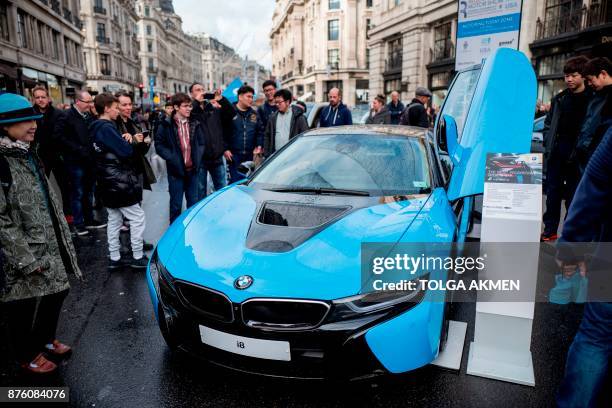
484,26
513,186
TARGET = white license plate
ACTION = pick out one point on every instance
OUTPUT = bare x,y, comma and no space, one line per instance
246,346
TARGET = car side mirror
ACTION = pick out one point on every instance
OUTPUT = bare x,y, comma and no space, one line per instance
448,138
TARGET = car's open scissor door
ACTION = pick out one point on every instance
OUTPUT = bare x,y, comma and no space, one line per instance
493,105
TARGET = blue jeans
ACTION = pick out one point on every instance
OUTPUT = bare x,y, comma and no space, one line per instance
218,174
182,186
82,182
588,358
237,159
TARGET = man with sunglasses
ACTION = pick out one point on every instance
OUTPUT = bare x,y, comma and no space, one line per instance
72,131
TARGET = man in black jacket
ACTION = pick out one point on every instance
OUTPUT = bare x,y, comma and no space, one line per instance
561,128
284,124
46,143
214,116
598,72
180,142
72,130
120,188
415,113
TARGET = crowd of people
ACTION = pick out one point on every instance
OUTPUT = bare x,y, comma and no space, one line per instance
98,151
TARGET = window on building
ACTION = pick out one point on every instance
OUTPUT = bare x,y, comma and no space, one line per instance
562,16
55,39
367,58
396,2
66,53
147,11
101,31
333,58
443,45
333,30
105,64
151,63
368,3
98,3
394,55
21,29
149,30
40,46
393,84
368,26
149,46
4,28
334,4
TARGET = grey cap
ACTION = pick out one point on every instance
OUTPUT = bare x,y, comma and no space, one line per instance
422,91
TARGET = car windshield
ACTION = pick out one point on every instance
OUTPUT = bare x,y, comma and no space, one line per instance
366,164
458,100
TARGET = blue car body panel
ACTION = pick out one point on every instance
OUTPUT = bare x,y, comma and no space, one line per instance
327,266
500,118
421,325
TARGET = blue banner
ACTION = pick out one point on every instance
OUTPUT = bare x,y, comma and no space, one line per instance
491,25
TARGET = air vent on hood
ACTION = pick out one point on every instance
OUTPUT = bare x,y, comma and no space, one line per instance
298,215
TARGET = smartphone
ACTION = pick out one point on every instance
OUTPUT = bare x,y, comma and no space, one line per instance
209,96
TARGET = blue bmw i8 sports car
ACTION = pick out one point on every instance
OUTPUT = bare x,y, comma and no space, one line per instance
264,276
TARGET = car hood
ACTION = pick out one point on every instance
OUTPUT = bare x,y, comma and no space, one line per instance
211,246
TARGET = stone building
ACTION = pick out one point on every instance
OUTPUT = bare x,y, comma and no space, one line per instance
111,45
412,43
40,43
321,44
565,28
170,59
220,63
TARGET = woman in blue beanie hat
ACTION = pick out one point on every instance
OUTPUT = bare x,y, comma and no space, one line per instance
35,241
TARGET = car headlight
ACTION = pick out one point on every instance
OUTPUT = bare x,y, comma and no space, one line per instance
377,302
162,280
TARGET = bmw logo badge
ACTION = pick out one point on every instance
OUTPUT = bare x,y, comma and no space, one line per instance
243,282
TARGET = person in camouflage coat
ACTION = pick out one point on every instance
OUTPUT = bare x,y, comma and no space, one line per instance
35,241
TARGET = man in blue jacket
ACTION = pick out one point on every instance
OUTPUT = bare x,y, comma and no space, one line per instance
180,142
247,136
336,113
590,219
269,106
395,107
118,182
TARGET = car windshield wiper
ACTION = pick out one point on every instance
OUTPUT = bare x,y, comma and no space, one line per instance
320,190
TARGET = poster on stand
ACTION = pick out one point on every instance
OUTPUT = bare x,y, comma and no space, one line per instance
483,26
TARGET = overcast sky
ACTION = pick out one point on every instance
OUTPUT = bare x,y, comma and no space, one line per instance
242,24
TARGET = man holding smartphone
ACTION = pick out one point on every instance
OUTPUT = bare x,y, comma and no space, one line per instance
214,112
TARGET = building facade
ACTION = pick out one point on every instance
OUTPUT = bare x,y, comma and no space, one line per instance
40,43
412,43
220,63
111,46
170,59
565,28
321,44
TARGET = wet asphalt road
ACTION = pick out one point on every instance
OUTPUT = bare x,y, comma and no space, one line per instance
120,359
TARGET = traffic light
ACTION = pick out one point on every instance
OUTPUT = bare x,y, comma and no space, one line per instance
141,89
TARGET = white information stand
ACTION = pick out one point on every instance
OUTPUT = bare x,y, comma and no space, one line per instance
512,212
